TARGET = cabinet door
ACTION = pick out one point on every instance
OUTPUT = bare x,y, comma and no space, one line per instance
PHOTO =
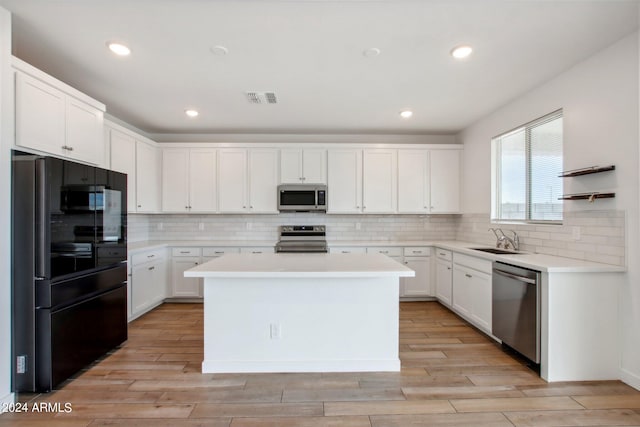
147,284
481,299
344,189
147,178
185,286
203,180
443,281
314,166
291,166
232,179
122,150
444,167
40,116
420,285
84,133
379,181
263,180
175,180
461,293
413,181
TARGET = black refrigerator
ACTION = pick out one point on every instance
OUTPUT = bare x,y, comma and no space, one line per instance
69,253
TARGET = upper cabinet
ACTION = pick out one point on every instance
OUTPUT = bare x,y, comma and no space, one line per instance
248,180
429,181
189,180
56,119
303,166
122,152
379,181
362,181
147,178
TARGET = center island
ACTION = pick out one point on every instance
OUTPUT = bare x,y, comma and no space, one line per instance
301,312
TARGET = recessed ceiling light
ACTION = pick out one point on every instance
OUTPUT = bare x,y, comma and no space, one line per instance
191,112
118,48
405,114
219,50
371,52
461,52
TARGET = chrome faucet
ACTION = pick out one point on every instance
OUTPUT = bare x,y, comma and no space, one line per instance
514,242
502,240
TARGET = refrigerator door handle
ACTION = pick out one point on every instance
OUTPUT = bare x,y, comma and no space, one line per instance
41,243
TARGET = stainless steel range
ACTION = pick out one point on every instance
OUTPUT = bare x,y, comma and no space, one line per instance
302,238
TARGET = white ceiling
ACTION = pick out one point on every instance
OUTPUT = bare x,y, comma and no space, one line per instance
310,53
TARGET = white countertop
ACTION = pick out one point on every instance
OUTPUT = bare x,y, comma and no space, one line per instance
540,262
301,265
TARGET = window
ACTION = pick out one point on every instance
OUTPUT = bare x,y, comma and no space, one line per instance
526,165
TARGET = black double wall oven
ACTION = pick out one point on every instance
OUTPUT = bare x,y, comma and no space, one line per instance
69,252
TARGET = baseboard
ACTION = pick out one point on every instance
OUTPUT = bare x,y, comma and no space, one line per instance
226,366
630,378
6,401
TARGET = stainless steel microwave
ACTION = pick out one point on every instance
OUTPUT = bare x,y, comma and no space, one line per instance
302,198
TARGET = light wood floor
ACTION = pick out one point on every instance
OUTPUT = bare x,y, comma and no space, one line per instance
451,375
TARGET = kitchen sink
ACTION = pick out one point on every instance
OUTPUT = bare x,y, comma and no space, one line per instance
496,251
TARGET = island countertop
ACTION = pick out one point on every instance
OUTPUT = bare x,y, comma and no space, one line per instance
300,265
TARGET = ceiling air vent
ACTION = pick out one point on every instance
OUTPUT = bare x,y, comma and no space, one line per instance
262,97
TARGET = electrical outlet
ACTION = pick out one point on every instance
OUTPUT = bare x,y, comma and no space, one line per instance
275,331
21,364
576,233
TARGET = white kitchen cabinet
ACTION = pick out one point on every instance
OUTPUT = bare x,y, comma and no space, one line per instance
444,276
247,190
147,281
379,181
303,166
472,290
122,152
189,180
348,250
48,119
147,178
419,260
428,181
444,169
84,131
344,189
182,260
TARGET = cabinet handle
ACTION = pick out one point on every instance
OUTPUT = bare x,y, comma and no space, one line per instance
256,252
244,207
218,252
468,275
406,262
150,256
185,252
70,148
384,252
417,252
195,263
448,268
250,207
442,253
151,268
139,206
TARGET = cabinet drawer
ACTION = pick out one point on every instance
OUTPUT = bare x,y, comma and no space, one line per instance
417,251
185,252
389,251
348,250
257,250
478,264
213,252
142,257
444,254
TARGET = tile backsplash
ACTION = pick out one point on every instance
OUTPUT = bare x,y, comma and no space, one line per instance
589,235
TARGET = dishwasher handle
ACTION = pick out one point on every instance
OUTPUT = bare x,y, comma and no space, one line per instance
514,276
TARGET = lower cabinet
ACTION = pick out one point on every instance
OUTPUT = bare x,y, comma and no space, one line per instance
416,258
182,260
147,284
444,276
472,290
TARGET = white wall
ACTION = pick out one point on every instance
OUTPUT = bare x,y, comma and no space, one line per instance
6,132
601,126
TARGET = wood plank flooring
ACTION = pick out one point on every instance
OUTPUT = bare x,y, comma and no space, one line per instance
452,375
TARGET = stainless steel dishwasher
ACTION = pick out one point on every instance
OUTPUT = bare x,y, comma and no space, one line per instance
516,308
